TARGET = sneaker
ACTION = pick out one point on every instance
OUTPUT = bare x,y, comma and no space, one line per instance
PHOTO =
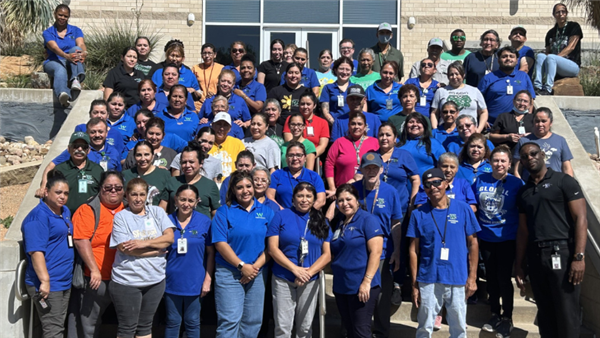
438,323
63,98
397,295
504,328
492,324
75,85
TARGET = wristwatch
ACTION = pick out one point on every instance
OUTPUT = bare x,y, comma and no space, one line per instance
579,257
240,266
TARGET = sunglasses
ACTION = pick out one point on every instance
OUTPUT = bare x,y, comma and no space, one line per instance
427,65
430,184
448,111
82,146
109,188
459,38
235,50
532,153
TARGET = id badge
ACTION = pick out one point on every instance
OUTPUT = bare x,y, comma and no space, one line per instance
487,71
509,89
310,131
389,104
444,254
451,195
82,186
340,100
336,234
556,262
423,101
104,165
70,240
521,130
303,247
157,162
182,245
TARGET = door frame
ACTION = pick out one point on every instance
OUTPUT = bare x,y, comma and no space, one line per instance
301,37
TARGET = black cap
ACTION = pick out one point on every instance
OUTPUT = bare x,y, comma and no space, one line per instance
433,173
356,90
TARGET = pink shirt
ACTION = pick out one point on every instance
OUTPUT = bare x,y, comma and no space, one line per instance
341,161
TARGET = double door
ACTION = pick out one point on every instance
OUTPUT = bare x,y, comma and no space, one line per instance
313,39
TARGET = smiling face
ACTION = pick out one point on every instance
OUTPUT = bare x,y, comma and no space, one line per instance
97,135
237,52
304,200
116,107
455,79
177,99
155,135
130,59
288,55
186,201
293,76
207,141
247,70
219,105
414,128
465,128
387,74
449,167
208,55
489,43
295,158
136,197
296,125
386,137
258,127
170,77
143,157
347,49
62,16
175,58
307,106
366,62
261,182
356,127
277,53
190,166
476,150
522,102
500,163
347,203
507,60
435,188
244,191
140,123
344,71
147,93
226,83
532,158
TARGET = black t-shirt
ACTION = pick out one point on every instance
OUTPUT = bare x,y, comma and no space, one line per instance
120,81
546,206
164,160
289,100
272,73
145,67
558,38
507,124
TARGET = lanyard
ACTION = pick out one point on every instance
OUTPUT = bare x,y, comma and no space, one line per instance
357,149
445,225
491,64
207,83
365,198
305,228
61,217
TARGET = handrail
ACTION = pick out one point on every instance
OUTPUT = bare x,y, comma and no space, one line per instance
20,294
322,305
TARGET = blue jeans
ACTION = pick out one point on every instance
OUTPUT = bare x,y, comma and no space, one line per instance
239,306
433,297
550,65
57,69
186,307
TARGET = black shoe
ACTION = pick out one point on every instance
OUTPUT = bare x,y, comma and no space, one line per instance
504,328
492,324
544,92
397,295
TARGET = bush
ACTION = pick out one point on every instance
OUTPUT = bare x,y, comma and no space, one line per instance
94,79
18,81
7,221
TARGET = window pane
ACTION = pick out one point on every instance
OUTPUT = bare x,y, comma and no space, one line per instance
317,42
364,38
287,38
370,12
302,11
223,36
233,11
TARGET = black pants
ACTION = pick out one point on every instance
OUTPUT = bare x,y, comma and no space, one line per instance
557,300
356,315
381,316
499,258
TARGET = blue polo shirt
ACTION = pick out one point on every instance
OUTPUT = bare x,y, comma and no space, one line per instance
466,170
113,137
47,232
272,204
191,264
355,69
461,224
284,183
112,155
65,44
349,251
330,94
428,92
397,171
162,101
497,210
243,230
186,126
158,107
526,52
377,100
309,78
340,126
460,190
493,88
238,77
291,226
418,150
170,141
441,135
386,208
255,90
186,78
454,144
238,109
223,190
125,125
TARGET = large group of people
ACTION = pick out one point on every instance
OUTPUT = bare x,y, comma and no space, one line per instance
247,181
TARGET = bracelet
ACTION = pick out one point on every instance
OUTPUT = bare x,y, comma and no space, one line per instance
368,277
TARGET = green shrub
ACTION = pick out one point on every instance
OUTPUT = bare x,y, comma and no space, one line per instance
7,221
94,79
18,81
589,77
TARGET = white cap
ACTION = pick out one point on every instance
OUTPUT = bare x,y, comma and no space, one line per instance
222,116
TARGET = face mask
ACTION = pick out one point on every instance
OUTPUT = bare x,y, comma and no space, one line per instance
384,38
520,112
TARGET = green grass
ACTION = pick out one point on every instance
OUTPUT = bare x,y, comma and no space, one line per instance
7,221
94,79
18,81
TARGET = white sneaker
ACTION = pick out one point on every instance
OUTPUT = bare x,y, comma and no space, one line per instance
75,85
63,98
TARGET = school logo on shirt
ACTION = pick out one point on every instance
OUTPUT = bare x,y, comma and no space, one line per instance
462,100
548,150
491,204
259,215
381,203
452,218
187,119
123,127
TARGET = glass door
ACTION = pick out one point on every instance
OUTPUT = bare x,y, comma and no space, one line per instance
314,40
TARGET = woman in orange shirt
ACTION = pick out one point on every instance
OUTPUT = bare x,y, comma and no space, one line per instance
207,73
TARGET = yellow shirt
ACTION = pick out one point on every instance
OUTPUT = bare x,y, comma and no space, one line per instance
227,152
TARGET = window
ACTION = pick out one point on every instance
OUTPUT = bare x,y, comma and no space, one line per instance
233,11
302,11
370,12
223,36
364,38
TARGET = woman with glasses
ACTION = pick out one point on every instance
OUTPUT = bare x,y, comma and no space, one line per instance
427,86
207,73
283,181
449,113
144,168
269,72
484,61
474,158
237,51
469,99
141,234
365,76
297,124
298,240
510,127
261,178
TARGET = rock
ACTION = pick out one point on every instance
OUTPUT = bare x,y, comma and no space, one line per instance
594,157
569,86
2,139
40,80
43,151
30,141
14,161
16,152
48,143
3,160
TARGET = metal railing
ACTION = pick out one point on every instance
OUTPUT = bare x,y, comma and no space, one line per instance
322,305
21,294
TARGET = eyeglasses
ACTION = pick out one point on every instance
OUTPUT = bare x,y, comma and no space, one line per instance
532,153
490,40
82,146
521,33
295,155
109,188
430,184
427,65
260,180
465,126
522,101
296,125
459,38
236,50
449,112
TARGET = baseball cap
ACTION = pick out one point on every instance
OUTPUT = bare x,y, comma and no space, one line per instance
222,116
79,135
436,42
384,26
516,28
371,158
356,90
433,173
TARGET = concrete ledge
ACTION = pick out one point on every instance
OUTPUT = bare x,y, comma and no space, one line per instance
18,174
26,95
574,102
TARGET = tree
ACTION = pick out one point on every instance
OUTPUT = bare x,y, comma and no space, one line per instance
19,18
591,9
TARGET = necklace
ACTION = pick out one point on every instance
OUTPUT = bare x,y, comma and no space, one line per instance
278,67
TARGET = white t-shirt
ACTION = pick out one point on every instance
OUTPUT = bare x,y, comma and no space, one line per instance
468,99
266,152
211,168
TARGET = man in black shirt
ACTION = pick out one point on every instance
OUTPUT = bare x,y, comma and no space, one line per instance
552,235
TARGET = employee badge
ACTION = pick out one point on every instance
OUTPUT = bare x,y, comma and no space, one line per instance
182,245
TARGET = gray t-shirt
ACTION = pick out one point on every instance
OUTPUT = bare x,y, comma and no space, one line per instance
138,271
211,168
266,152
162,159
468,99
441,74
555,147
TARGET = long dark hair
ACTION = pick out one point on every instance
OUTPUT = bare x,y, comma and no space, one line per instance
349,188
464,153
235,178
316,224
425,138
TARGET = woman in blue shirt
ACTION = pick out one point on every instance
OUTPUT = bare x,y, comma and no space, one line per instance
356,248
449,112
147,95
66,50
190,265
48,243
427,86
178,119
333,95
117,119
498,216
238,109
473,158
170,78
382,96
238,233
299,244
416,138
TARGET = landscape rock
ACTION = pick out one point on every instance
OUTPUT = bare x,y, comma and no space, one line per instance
569,86
40,80
2,139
